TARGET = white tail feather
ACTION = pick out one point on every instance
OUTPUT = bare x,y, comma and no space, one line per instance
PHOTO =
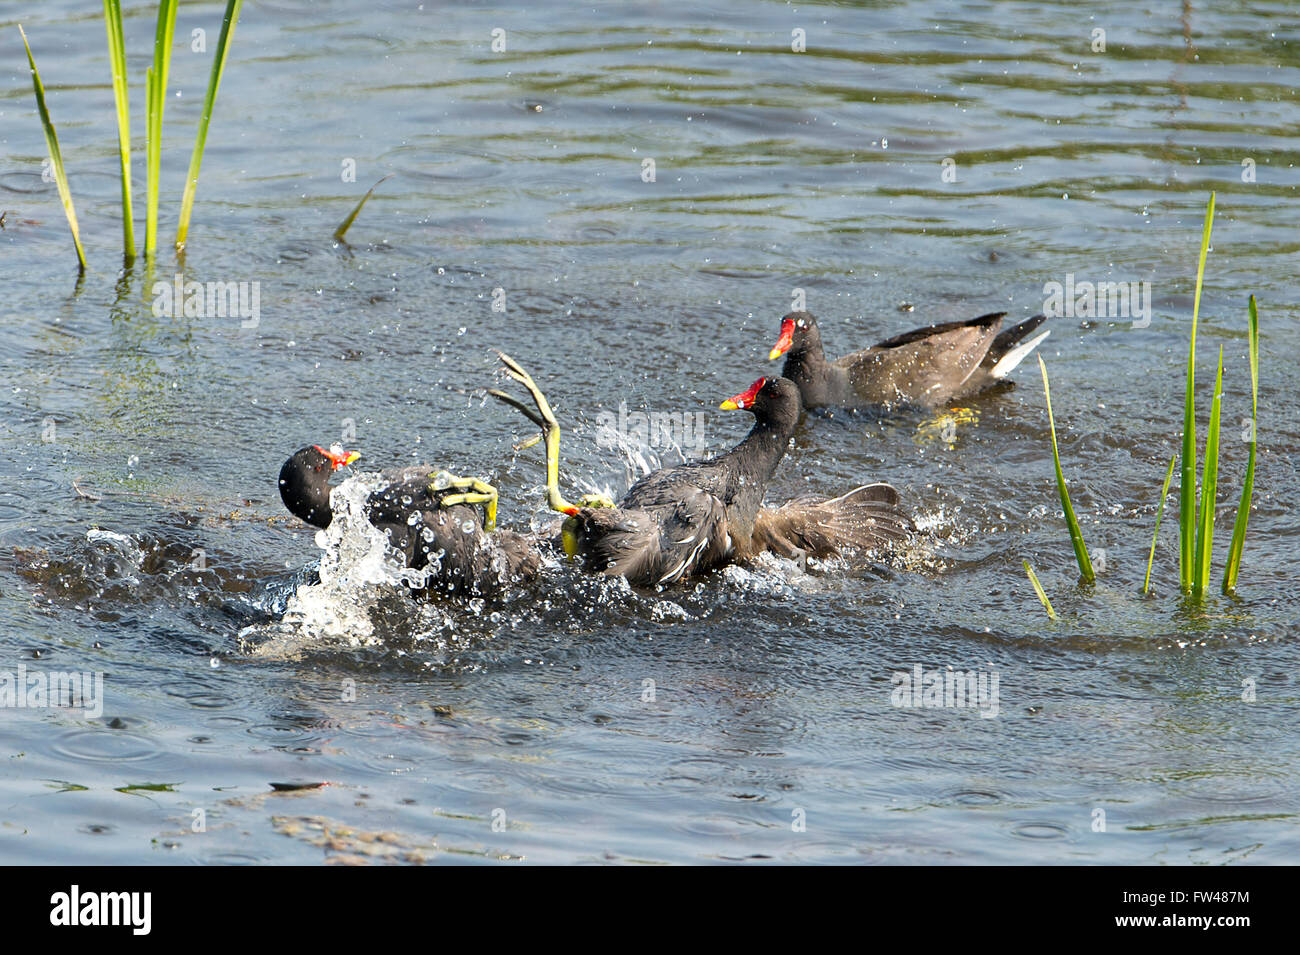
1008,362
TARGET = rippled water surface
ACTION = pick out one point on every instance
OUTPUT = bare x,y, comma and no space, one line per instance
528,729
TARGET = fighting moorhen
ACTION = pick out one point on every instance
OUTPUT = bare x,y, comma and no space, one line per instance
683,521
927,366
427,515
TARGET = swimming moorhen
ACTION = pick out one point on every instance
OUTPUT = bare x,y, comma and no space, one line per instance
928,366
428,516
683,521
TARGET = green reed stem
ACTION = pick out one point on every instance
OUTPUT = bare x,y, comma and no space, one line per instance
1076,534
1187,476
56,155
1248,486
117,58
1209,486
346,224
1160,512
1038,589
155,97
214,81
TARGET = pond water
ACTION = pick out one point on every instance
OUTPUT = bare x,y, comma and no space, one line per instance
749,718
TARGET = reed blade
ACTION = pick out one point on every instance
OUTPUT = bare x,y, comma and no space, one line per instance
1160,512
1076,534
56,155
155,97
117,59
1038,589
200,141
1209,487
1187,476
1248,485
346,224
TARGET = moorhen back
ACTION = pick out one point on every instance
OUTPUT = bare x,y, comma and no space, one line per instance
928,366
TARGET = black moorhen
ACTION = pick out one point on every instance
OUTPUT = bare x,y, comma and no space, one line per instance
927,366
683,521
426,515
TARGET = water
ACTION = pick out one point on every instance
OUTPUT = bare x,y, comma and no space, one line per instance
524,729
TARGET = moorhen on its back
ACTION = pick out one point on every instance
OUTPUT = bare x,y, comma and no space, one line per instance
927,366
428,516
683,521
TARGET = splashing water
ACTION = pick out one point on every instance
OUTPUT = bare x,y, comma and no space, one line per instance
357,567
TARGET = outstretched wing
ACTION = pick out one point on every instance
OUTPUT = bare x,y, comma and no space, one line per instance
866,519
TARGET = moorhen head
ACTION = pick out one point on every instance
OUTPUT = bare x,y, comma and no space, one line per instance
773,401
304,481
799,336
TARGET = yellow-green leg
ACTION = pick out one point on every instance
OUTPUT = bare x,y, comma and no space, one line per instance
544,418
473,491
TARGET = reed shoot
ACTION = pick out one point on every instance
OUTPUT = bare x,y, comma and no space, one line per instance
1076,535
117,57
56,155
214,81
1248,486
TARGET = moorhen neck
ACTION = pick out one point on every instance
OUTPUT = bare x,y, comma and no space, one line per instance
928,366
684,521
428,516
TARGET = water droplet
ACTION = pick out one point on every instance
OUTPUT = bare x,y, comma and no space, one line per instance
441,481
467,526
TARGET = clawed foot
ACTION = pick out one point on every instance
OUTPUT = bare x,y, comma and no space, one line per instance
544,418
472,491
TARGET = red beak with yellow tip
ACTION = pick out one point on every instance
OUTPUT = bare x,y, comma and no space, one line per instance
745,399
338,457
785,341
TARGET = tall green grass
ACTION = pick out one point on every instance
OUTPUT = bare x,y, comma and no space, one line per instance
155,99
1248,485
1196,536
117,57
1187,474
56,154
1160,512
1209,489
209,101
1076,534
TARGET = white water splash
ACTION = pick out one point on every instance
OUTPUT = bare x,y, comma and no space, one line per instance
357,565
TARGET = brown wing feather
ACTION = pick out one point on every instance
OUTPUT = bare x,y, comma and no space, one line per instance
925,366
867,518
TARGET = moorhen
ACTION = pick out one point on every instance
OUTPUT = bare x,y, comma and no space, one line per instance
429,517
927,366
683,521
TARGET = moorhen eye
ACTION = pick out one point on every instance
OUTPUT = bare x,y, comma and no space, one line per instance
928,366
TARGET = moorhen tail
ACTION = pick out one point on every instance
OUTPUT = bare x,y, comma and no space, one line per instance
928,366
868,519
428,516
683,521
